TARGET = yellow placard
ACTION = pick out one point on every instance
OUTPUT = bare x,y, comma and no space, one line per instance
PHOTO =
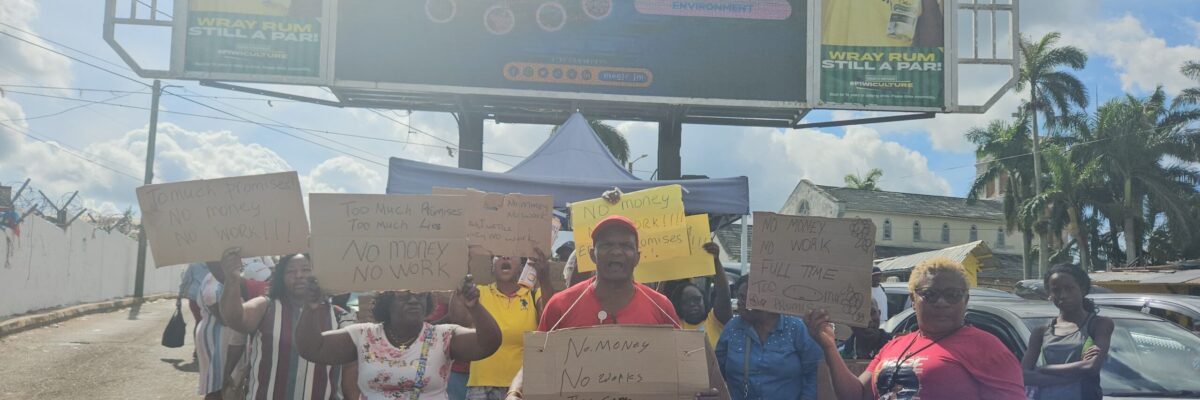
657,213
698,263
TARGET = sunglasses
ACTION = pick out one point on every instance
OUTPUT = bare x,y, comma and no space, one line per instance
952,296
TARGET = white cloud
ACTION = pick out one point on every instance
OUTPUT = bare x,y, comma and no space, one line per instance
1195,25
776,160
1141,59
24,64
344,175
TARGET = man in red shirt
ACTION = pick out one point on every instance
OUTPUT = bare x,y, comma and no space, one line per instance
611,297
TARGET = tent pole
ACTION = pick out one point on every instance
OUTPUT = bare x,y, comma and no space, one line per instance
745,244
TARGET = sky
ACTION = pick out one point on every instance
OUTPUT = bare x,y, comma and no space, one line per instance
99,149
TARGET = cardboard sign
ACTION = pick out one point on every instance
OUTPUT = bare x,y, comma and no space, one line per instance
697,263
804,263
196,221
511,225
615,362
657,213
364,242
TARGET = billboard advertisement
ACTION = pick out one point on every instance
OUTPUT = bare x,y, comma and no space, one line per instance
257,39
882,54
741,50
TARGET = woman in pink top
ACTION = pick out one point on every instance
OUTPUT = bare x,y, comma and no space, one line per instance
944,359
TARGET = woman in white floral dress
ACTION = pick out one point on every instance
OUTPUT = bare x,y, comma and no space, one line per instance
401,356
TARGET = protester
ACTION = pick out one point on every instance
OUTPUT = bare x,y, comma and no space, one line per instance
865,343
275,364
515,309
611,297
944,359
690,305
213,339
564,252
1073,347
189,287
400,356
877,293
767,356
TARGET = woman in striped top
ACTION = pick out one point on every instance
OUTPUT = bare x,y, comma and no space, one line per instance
277,372
402,357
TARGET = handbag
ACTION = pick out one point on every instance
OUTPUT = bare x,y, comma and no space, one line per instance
173,336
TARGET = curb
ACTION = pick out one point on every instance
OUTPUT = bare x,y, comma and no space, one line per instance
28,322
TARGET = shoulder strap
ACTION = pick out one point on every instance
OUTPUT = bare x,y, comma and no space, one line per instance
746,368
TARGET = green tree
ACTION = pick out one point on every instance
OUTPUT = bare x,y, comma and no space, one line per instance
1071,178
1004,147
1051,92
868,182
1190,96
1142,146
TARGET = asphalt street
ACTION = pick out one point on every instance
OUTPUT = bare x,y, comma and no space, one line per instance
114,355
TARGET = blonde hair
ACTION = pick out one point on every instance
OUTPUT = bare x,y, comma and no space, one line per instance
934,266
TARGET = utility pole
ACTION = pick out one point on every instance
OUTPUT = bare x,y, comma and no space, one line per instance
139,282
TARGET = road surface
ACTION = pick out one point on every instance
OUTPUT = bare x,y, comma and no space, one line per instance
113,355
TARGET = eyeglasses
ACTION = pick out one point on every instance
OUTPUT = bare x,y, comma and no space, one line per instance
952,296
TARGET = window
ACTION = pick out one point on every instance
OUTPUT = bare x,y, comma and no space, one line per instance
916,231
803,208
974,235
1000,237
945,233
887,229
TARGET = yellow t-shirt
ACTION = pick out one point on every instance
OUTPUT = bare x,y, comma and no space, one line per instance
858,23
710,326
515,315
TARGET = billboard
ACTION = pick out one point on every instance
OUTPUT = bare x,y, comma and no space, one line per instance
747,55
270,40
749,50
883,53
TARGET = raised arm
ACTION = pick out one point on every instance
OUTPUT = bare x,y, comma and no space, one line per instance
845,384
479,343
722,306
330,348
241,317
545,284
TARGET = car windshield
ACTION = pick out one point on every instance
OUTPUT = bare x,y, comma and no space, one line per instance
1151,356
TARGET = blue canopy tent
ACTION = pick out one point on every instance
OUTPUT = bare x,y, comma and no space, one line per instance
573,165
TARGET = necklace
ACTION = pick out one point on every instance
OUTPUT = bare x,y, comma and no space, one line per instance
903,357
396,342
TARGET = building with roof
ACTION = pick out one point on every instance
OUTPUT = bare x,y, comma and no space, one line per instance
906,224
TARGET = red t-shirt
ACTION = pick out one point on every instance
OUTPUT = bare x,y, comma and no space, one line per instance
641,309
970,364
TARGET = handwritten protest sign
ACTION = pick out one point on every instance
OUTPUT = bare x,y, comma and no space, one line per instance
196,221
696,263
511,225
364,242
615,362
804,263
657,213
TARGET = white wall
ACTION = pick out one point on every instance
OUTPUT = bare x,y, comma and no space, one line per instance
50,267
931,231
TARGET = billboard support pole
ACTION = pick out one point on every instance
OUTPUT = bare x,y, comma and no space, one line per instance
470,140
139,280
670,140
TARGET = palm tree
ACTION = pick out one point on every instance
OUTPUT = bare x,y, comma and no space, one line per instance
1004,145
868,182
1190,96
616,143
1133,140
1071,177
1051,92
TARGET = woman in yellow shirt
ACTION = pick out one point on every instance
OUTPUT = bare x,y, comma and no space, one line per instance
517,310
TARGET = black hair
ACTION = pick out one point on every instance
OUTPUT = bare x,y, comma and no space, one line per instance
382,311
675,294
1081,278
742,280
278,286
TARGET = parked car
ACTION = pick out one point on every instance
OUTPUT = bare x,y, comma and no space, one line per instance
1150,358
899,300
1178,308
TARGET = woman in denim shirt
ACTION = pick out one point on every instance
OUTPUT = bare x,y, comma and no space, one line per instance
783,358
